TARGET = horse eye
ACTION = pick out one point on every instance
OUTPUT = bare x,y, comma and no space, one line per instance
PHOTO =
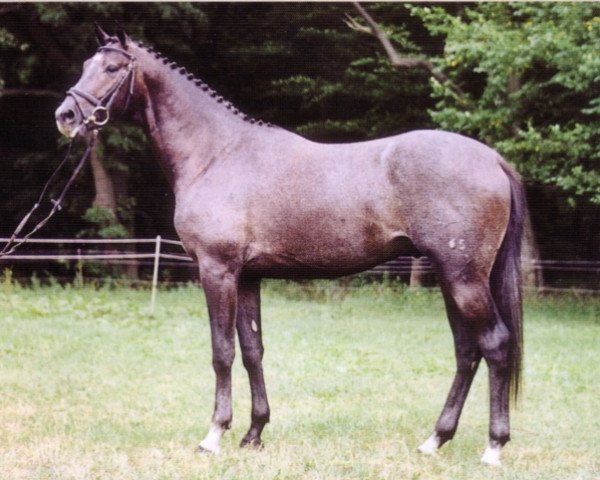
112,69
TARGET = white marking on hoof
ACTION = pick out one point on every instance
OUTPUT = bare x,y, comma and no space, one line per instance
430,446
491,456
254,326
212,440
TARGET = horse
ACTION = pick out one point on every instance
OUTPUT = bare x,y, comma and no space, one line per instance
255,201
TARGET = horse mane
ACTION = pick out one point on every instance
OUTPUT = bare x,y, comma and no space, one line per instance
200,84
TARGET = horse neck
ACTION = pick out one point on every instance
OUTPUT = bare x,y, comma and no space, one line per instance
188,127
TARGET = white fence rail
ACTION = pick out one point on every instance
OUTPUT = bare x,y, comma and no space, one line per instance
158,257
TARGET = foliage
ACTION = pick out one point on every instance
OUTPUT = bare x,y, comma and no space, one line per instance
532,74
348,91
105,220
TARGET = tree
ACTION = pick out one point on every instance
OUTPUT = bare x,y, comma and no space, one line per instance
531,76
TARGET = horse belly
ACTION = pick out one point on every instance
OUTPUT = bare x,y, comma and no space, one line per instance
313,253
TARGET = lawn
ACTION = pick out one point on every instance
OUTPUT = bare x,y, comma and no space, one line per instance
92,386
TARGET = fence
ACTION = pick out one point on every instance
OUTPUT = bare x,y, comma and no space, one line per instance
92,255
155,256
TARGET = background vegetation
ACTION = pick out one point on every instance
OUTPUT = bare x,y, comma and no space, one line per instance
527,75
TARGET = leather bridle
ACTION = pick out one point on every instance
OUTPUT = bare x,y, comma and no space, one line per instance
100,114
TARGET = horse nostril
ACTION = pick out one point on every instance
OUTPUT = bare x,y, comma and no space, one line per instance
68,116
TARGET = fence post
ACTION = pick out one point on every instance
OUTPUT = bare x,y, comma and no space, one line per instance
155,273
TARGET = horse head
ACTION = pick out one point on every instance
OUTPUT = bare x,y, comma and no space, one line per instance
106,87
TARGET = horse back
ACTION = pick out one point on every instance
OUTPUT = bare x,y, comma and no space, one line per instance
297,207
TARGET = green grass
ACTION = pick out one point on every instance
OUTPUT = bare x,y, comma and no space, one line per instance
94,387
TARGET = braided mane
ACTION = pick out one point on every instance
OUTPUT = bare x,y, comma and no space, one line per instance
198,82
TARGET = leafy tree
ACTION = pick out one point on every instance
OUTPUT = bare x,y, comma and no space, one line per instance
531,74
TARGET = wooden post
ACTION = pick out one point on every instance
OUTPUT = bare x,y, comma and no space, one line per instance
155,273
417,273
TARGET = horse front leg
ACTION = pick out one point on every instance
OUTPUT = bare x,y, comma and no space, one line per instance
250,335
220,285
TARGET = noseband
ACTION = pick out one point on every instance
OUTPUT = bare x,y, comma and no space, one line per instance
100,115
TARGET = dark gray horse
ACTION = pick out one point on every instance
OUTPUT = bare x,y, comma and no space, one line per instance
255,201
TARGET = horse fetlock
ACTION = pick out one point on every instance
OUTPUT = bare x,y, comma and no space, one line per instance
445,434
499,435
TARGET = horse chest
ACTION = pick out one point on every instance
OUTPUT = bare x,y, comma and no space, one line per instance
203,226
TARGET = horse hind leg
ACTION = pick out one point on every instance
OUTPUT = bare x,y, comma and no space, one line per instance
468,357
494,341
479,332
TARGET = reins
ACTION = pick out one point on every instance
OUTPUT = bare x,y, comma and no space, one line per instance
97,119
11,246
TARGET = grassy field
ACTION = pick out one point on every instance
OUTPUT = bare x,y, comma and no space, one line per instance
94,387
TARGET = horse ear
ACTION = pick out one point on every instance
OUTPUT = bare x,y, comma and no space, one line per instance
101,35
123,37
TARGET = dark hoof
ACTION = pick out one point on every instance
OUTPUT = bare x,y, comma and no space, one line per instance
252,444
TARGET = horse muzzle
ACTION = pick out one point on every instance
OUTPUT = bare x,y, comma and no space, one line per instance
69,120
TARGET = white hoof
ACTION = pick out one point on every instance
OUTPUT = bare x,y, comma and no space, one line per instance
212,440
491,456
205,447
430,446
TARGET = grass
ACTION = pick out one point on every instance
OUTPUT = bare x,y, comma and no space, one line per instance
94,387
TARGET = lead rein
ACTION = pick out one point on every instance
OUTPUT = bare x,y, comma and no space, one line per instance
11,246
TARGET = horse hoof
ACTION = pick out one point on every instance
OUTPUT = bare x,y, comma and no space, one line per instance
252,444
430,446
205,449
491,457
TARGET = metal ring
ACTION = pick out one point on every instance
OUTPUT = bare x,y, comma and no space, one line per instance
95,119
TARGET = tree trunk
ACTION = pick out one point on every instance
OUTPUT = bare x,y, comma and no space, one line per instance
108,191
105,192
127,219
533,277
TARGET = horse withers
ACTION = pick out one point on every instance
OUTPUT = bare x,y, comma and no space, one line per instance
256,201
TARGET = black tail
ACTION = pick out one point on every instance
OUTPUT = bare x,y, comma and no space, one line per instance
505,281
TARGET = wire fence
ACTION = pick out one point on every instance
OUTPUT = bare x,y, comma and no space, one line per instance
149,257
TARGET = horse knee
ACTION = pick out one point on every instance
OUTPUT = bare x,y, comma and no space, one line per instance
252,357
223,360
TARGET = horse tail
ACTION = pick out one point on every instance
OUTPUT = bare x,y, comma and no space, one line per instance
505,280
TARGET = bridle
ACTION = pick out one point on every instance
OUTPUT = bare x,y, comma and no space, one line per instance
97,119
100,114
